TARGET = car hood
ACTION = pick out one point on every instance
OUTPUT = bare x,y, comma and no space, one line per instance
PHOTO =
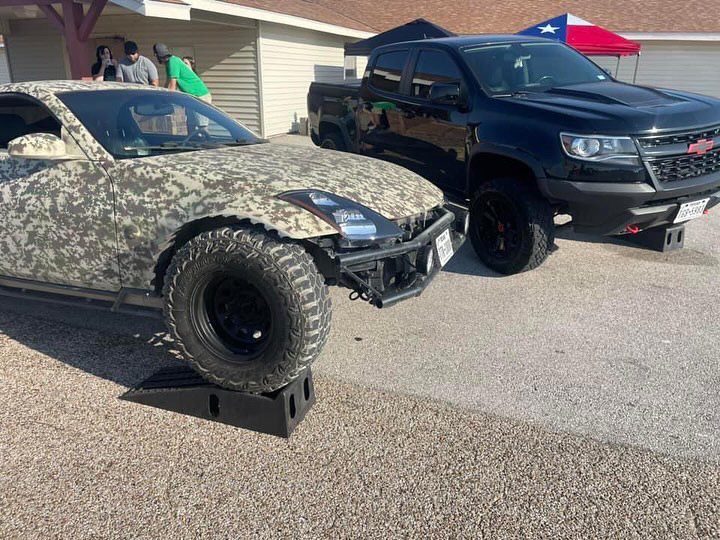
618,108
258,171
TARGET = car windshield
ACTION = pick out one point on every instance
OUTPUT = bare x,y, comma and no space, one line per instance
136,123
510,68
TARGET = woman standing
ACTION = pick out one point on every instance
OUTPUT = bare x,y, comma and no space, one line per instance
105,69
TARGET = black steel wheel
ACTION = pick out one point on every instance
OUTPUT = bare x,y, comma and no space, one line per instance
248,310
511,225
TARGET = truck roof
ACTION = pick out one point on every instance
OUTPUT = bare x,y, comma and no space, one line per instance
458,42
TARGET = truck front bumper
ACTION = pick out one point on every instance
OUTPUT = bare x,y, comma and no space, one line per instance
368,271
610,208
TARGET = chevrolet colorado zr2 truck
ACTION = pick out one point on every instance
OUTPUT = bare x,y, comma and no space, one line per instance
520,129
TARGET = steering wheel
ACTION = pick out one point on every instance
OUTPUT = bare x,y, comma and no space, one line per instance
197,132
546,80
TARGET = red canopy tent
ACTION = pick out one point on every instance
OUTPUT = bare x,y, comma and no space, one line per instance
586,37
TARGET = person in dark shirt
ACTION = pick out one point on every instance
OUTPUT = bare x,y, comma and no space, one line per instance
105,69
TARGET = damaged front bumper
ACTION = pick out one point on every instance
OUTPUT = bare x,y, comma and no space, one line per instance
387,275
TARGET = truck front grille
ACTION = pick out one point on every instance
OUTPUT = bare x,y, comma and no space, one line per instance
677,168
679,138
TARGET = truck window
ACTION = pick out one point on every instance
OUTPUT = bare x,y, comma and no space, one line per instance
388,70
432,67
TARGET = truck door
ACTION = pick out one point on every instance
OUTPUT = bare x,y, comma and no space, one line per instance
380,120
435,129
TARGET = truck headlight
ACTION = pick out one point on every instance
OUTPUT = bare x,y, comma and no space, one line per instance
355,222
599,148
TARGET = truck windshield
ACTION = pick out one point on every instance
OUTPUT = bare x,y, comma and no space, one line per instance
137,123
509,68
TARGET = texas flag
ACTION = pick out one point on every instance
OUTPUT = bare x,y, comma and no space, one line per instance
585,36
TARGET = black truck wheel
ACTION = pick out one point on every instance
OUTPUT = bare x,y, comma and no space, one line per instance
511,225
247,310
333,141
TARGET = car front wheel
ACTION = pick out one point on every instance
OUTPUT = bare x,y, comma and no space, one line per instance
249,311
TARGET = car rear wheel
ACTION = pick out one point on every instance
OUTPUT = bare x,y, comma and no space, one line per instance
511,225
249,311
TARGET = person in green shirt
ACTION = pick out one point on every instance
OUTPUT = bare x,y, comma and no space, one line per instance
179,75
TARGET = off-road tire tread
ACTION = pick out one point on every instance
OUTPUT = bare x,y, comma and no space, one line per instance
540,225
301,287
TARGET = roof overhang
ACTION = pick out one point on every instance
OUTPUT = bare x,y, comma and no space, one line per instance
153,8
182,11
227,8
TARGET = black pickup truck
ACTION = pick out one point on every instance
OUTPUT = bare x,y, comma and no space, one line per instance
521,129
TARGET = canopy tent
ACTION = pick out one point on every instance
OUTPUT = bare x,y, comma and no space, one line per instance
417,29
586,37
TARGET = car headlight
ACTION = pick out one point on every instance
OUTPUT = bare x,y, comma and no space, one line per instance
599,148
355,222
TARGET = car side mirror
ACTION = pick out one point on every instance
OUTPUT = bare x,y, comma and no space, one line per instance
40,146
445,93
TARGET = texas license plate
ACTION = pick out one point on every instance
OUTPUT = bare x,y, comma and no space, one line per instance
444,247
691,210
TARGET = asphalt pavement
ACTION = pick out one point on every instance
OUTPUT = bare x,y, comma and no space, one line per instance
577,400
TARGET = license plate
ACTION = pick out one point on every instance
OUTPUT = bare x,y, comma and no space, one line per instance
691,210
444,247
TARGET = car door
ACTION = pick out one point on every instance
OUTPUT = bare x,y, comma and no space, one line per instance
56,217
435,132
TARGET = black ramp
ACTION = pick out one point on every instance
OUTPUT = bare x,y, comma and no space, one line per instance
181,390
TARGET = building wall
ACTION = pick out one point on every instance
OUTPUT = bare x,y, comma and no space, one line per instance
4,71
693,66
291,59
226,56
35,51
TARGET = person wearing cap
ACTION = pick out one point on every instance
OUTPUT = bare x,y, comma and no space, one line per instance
179,75
135,68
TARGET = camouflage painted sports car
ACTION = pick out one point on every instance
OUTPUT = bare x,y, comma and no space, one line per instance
143,198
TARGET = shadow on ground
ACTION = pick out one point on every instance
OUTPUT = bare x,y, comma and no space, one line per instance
120,348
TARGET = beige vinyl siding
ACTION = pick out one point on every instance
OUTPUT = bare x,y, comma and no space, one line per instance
692,66
291,59
4,71
35,51
226,58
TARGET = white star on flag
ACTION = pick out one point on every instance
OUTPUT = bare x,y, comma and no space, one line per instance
548,29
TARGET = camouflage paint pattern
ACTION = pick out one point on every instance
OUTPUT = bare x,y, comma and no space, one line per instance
36,146
155,196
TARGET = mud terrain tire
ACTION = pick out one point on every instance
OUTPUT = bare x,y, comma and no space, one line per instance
247,310
511,225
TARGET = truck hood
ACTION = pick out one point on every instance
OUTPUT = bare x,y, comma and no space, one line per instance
617,108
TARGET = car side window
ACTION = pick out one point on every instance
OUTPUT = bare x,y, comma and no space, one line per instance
388,70
432,67
21,116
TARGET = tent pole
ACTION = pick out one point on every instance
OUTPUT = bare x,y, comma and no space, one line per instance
637,61
617,67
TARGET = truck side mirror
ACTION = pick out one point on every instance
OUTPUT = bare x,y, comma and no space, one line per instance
445,93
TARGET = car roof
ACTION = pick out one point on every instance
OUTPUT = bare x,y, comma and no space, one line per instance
60,86
458,42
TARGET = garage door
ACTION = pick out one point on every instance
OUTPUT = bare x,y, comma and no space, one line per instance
693,66
4,72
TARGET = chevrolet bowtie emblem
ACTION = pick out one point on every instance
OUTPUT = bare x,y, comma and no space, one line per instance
701,147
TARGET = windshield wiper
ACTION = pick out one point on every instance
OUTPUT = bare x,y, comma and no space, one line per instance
514,94
244,142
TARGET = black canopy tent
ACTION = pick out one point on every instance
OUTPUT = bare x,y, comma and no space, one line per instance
417,29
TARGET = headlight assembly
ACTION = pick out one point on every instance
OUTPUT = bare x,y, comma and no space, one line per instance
356,223
620,150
